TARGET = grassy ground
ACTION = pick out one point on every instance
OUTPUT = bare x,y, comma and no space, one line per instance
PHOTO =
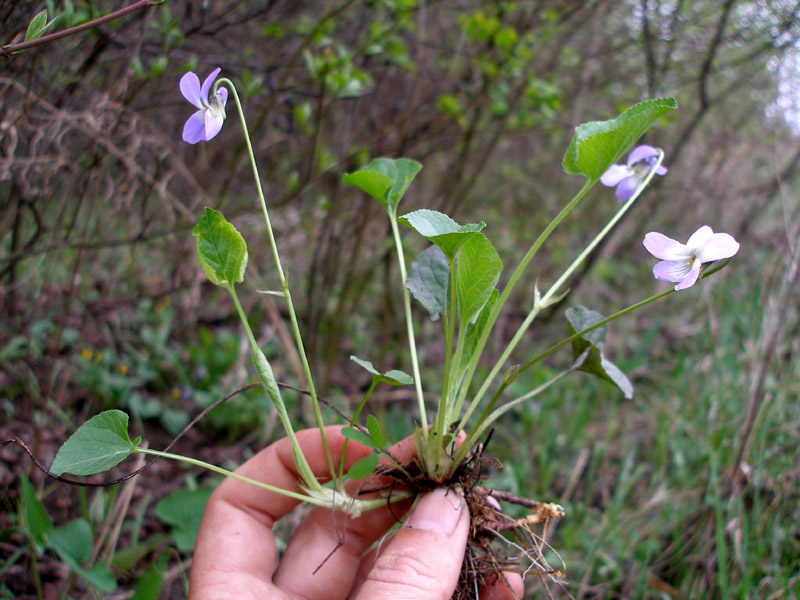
653,510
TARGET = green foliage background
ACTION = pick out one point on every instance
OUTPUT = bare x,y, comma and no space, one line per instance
104,304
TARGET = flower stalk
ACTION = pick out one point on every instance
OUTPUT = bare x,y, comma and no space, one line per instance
295,327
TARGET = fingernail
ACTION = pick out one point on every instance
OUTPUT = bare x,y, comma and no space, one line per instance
438,511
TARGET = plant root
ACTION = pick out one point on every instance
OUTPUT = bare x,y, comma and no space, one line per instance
498,543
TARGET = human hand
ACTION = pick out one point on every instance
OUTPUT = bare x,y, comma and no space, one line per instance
235,555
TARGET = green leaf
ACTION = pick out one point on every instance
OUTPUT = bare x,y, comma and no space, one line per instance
396,377
36,518
385,179
477,271
441,230
427,280
593,362
358,436
149,585
393,377
362,468
73,544
98,445
375,432
599,144
580,318
221,249
374,183
37,26
475,330
184,510
73,539
588,349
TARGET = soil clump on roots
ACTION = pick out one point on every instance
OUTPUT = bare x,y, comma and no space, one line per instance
498,542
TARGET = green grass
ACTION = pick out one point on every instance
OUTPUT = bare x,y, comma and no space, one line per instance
651,514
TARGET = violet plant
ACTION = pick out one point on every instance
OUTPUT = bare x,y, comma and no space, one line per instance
455,280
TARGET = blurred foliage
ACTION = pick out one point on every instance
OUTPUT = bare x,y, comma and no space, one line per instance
104,305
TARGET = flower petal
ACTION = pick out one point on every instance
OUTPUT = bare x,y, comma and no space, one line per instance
664,247
615,174
691,278
190,88
717,247
213,123
699,238
209,81
222,95
195,128
672,270
627,187
661,170
641,153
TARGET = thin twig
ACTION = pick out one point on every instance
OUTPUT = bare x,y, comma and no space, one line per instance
51,37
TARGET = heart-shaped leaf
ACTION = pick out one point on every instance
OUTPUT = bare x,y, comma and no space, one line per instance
477,271
98,445
587,350
440,229
385,179
221,249
427,280
599,144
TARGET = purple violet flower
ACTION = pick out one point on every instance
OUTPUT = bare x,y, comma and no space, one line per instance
206,122
680,263
628,177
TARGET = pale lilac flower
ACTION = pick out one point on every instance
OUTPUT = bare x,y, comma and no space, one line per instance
206,122
628,177
680,263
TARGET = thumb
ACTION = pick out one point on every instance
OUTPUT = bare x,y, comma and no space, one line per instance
423,559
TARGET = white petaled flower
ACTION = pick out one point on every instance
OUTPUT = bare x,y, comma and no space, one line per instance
680,263
207,121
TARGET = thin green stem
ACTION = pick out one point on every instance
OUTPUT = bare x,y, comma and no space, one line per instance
486,414
326,499
227,473
710,271
268,382
542,303
284,284
450,330
412,344
603,232
488,417
243,317
501,301
353,420
600,323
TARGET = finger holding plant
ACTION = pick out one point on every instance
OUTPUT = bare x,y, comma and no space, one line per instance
456,280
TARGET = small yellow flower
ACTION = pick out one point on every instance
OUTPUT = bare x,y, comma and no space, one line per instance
175,393
123,369
86,354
